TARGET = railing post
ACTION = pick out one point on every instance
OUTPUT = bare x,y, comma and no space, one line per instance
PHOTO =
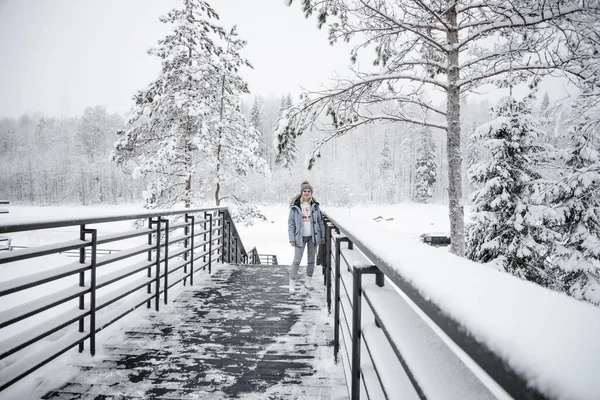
356,331
204,246
193,221
81,282
336,305
166,280
327,265
222,224
228,240
210,235
149,272
186,245
235,240
157,264
94,233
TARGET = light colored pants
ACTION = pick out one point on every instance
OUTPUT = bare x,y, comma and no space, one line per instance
298,252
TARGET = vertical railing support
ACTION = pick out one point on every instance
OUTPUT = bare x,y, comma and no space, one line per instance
338,298
149,272
94,247
157,263
210,238
222,224
327,265
166,269
356,331
192,221
186,245
235,240
81,283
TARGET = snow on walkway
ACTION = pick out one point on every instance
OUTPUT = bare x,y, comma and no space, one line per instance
238,334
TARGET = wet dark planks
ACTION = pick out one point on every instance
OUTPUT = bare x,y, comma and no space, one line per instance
238,335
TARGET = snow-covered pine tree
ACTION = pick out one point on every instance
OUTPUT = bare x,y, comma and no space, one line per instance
187,128
386,173
426,168
285,145
576,199
544,105
256,120
235,144
174,111
508,223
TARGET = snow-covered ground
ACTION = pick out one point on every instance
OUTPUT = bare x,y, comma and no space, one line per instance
547,336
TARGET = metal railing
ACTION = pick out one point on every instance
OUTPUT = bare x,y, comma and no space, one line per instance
387,347
268,259
168,250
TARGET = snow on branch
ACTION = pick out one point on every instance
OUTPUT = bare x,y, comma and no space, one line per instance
516,20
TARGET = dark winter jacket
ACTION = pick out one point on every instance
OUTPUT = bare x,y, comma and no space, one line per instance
295,222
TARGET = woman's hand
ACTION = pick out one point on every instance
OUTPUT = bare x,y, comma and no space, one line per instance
293,243
322,240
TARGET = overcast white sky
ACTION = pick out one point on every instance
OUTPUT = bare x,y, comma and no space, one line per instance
61,56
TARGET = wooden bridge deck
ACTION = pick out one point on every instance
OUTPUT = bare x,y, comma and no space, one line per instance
239,334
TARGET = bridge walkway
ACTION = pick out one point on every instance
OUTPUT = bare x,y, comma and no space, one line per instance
237,334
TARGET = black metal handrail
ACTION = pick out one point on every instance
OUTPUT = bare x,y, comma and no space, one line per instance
379,373
174,250
268,259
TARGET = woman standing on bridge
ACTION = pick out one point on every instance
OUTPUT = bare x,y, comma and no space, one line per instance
305,228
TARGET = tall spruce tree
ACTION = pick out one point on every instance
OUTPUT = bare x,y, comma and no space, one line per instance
186,128
287,151
426,168
235,148
508,224
575,197
386,172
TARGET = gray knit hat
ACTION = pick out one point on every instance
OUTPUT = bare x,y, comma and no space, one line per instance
306,185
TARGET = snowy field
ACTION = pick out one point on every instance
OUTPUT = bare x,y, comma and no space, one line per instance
547,336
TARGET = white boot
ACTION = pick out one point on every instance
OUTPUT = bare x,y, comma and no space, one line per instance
308,282
292,285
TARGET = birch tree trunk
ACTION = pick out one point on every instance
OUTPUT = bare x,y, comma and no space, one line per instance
455,199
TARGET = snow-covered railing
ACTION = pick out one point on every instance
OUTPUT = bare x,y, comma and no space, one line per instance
268,259
414,322
78,299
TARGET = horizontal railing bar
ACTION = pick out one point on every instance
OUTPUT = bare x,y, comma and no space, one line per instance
24,254
177,225
174,267
122,273
200,233
491,362
176,277
201,221
29,281
36,306
370,384
30,363
125,254
32,335
390,372
115,295
109,317
178,252
112,237
62,222
420,346
178,238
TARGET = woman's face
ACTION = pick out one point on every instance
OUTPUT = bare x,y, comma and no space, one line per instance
306,195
